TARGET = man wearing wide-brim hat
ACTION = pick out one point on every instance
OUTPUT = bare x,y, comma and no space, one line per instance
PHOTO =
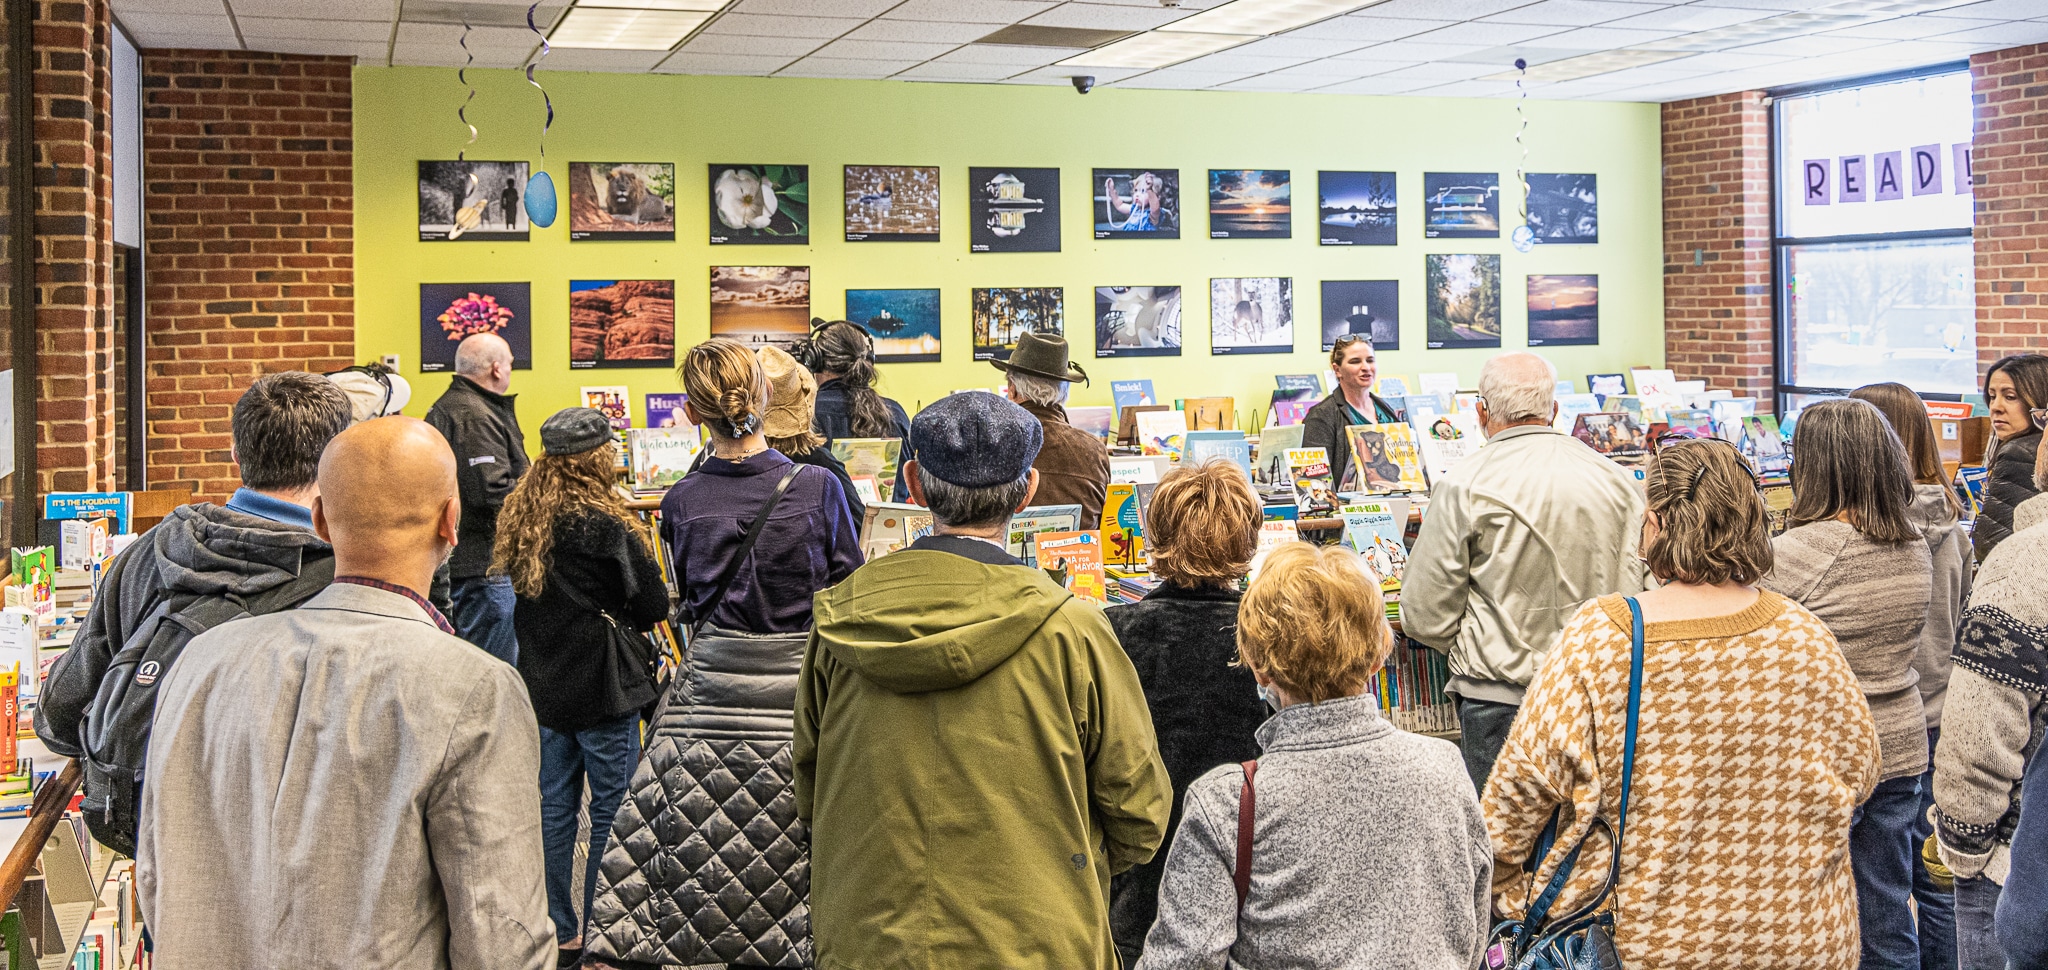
1073,467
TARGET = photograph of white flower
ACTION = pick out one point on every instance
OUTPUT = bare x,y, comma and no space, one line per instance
892,203
622,200
760,205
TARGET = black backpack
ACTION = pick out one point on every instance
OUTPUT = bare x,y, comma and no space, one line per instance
115,733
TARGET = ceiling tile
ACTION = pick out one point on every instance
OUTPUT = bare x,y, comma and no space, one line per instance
586,59
756,25
1107,16
2000,10
1812,45
1444,9
956,71
439,55
1022,58
883,50
1603,38
316,9
966,11
2006,35
1184,77
1907,28
787,48
480,38
1231,60
1356,27
1472,89
297,28
370,53
1441,71
1690,17
1776,6
1334,70
686,61
815,8
1288,45
844,68
179,23
1411,50
122,8
1273,82
919,31
1733,60
1186,6
1056,74
198,42
1376,85
1486,35
1568,13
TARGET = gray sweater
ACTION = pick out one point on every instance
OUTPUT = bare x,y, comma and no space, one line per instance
1949,548
1368,851
1874,598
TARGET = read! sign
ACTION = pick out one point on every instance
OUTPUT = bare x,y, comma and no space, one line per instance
1886,176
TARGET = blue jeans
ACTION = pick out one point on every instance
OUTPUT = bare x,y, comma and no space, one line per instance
1482,732
606,755
1976,946
1936,906
1881,854
483,614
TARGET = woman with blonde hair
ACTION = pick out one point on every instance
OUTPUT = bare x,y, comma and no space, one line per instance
1365,846
1755,748
581,567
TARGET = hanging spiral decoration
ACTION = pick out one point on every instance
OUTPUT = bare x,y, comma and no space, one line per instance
540,190
467,215
1523,237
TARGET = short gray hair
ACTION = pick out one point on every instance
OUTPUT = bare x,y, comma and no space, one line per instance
1518,386
475,356
1042,391
966,508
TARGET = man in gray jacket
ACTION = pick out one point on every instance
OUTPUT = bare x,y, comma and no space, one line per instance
1515,539
349,783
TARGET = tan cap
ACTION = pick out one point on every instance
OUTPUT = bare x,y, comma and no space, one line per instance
792,394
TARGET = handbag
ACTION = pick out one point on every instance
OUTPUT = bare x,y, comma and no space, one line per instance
1582,939
629,653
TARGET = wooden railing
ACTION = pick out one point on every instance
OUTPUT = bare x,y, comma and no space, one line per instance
45,812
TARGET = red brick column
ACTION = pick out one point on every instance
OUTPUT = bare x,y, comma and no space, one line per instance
249,237
1717,243
2010,161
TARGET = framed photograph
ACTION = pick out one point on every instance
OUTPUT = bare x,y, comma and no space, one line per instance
1013,210
1001,315
1461,205
1355,208
903,323
622,200
1463,296
1136,203
1564,310
762,305
1564,209
1251,315
1369,307
476,201
892,203
1137,321
760,205
622,323
1250,204
450,312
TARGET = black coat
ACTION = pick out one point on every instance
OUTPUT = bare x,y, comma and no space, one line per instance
1182,641
2009,482
490,454
1323,427
563,648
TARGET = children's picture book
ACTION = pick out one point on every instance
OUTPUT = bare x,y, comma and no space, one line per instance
1612,433
1097,421
35,580
614,401
1764,446
1392,387
1623,404
89,505
873,457
1162,432
82,543
1028,523
1231,446
1074,560
1728,414
1210,413
1270,459
1300,382
1606,385
1290,412
1422,406
865,489
1372,530
1314,494
891,526
1386,458
666,410
1446,441
1691,422
1138,469
1655,381
1443,384
1273,533
18,648
1131,394
1570,406
658,457
1123,534
1466,401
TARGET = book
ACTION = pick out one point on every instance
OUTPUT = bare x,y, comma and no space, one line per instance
1162,432
82,543
1690,422
1273,533
1612,434
1074,560
1386,458
874,457
1420,406
1132,394
658,457
1210,413
10,720
1623,404
1314,494
19,649
1373,531
1097,421
1392,387
1270,459
1761,443
1123,531
90,505
1728,414
1300,382
1443,384
1660,382
1606,385
35,575
1127,421
613,400
1031,521
865,489
666,410
1466,402
1570,406
1290,412
1445,441
892,526
1231,446
1137,469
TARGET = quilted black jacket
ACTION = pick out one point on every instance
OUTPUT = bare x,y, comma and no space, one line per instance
2010,482
708,862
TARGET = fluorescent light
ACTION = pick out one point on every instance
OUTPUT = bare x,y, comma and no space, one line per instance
1158,48
710,5
1263,17
625,30
1587,65
1798,23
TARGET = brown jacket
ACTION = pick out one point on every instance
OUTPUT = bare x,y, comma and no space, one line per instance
1073,467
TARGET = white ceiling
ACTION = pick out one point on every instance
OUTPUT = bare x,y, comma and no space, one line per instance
1432,48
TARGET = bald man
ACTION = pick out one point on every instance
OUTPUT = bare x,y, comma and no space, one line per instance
477,418
349,784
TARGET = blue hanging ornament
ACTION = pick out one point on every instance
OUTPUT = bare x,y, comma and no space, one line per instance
540,201
540,189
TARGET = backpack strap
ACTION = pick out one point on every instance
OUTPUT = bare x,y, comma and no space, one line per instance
746,548
1247,804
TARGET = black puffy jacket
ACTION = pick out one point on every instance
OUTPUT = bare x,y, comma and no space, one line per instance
2010,482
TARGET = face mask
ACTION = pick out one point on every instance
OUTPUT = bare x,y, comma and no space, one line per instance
1266,695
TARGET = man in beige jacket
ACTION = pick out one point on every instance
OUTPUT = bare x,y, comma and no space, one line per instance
1515,538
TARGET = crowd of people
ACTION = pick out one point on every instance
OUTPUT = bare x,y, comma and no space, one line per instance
432,685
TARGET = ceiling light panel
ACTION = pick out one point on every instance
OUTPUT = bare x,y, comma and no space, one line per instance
1588,65
1263,16
1156,49
604,28
705,5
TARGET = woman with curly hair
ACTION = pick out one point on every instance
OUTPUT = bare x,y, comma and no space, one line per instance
580,564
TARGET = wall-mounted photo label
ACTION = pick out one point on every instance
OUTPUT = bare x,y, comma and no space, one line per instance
1461,205
475,201
1355,208
1013,210
903,323
1564,209
760,205
762,305
1368,307
1564,310
451,312
1001,315
622,323
1251,315
1137,321
1250,204
622,200
1136,203
1463,297
892,203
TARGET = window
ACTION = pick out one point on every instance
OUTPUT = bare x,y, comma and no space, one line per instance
1875,267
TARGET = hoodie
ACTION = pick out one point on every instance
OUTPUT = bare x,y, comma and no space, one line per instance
975,760
1934,514
205,549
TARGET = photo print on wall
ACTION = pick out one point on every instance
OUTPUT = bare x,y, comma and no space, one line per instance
1251,315
1136,203
622,200
1250,204
1355,208
622,323
903,323
1460,205
1013,210
1369,307
760,205
1463,296
1137,321
450,312
1564,310
762,305
1564,208
892,203
1002,314
475,201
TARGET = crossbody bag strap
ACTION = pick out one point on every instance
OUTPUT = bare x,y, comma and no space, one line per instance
576,596
746,549
1628,743
1247,802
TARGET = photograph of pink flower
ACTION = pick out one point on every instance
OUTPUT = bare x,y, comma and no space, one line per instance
450,312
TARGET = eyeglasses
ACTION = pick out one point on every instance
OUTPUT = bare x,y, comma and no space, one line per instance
1675,437
2040,416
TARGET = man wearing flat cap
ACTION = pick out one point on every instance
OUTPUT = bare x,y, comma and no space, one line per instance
1073,467
972,752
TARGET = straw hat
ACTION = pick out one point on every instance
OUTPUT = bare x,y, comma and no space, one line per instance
792,394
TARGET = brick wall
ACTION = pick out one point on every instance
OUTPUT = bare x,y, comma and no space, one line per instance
2010,162
1717,243
249,241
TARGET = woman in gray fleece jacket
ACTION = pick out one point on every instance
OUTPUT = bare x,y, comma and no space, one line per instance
1367,849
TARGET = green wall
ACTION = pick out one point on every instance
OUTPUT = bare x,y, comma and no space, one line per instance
403,115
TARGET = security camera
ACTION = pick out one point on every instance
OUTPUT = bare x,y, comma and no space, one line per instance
1082,82
1169,3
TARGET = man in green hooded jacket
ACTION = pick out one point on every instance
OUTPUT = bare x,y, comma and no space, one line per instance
973,752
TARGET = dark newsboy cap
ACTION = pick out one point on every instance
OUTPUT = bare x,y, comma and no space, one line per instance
975,439
573,431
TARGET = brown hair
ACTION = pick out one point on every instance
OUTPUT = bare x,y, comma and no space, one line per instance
1313,621
726,386
1203,524
1848,463
845,348
554,488
1710,516
1343,345
1907,415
